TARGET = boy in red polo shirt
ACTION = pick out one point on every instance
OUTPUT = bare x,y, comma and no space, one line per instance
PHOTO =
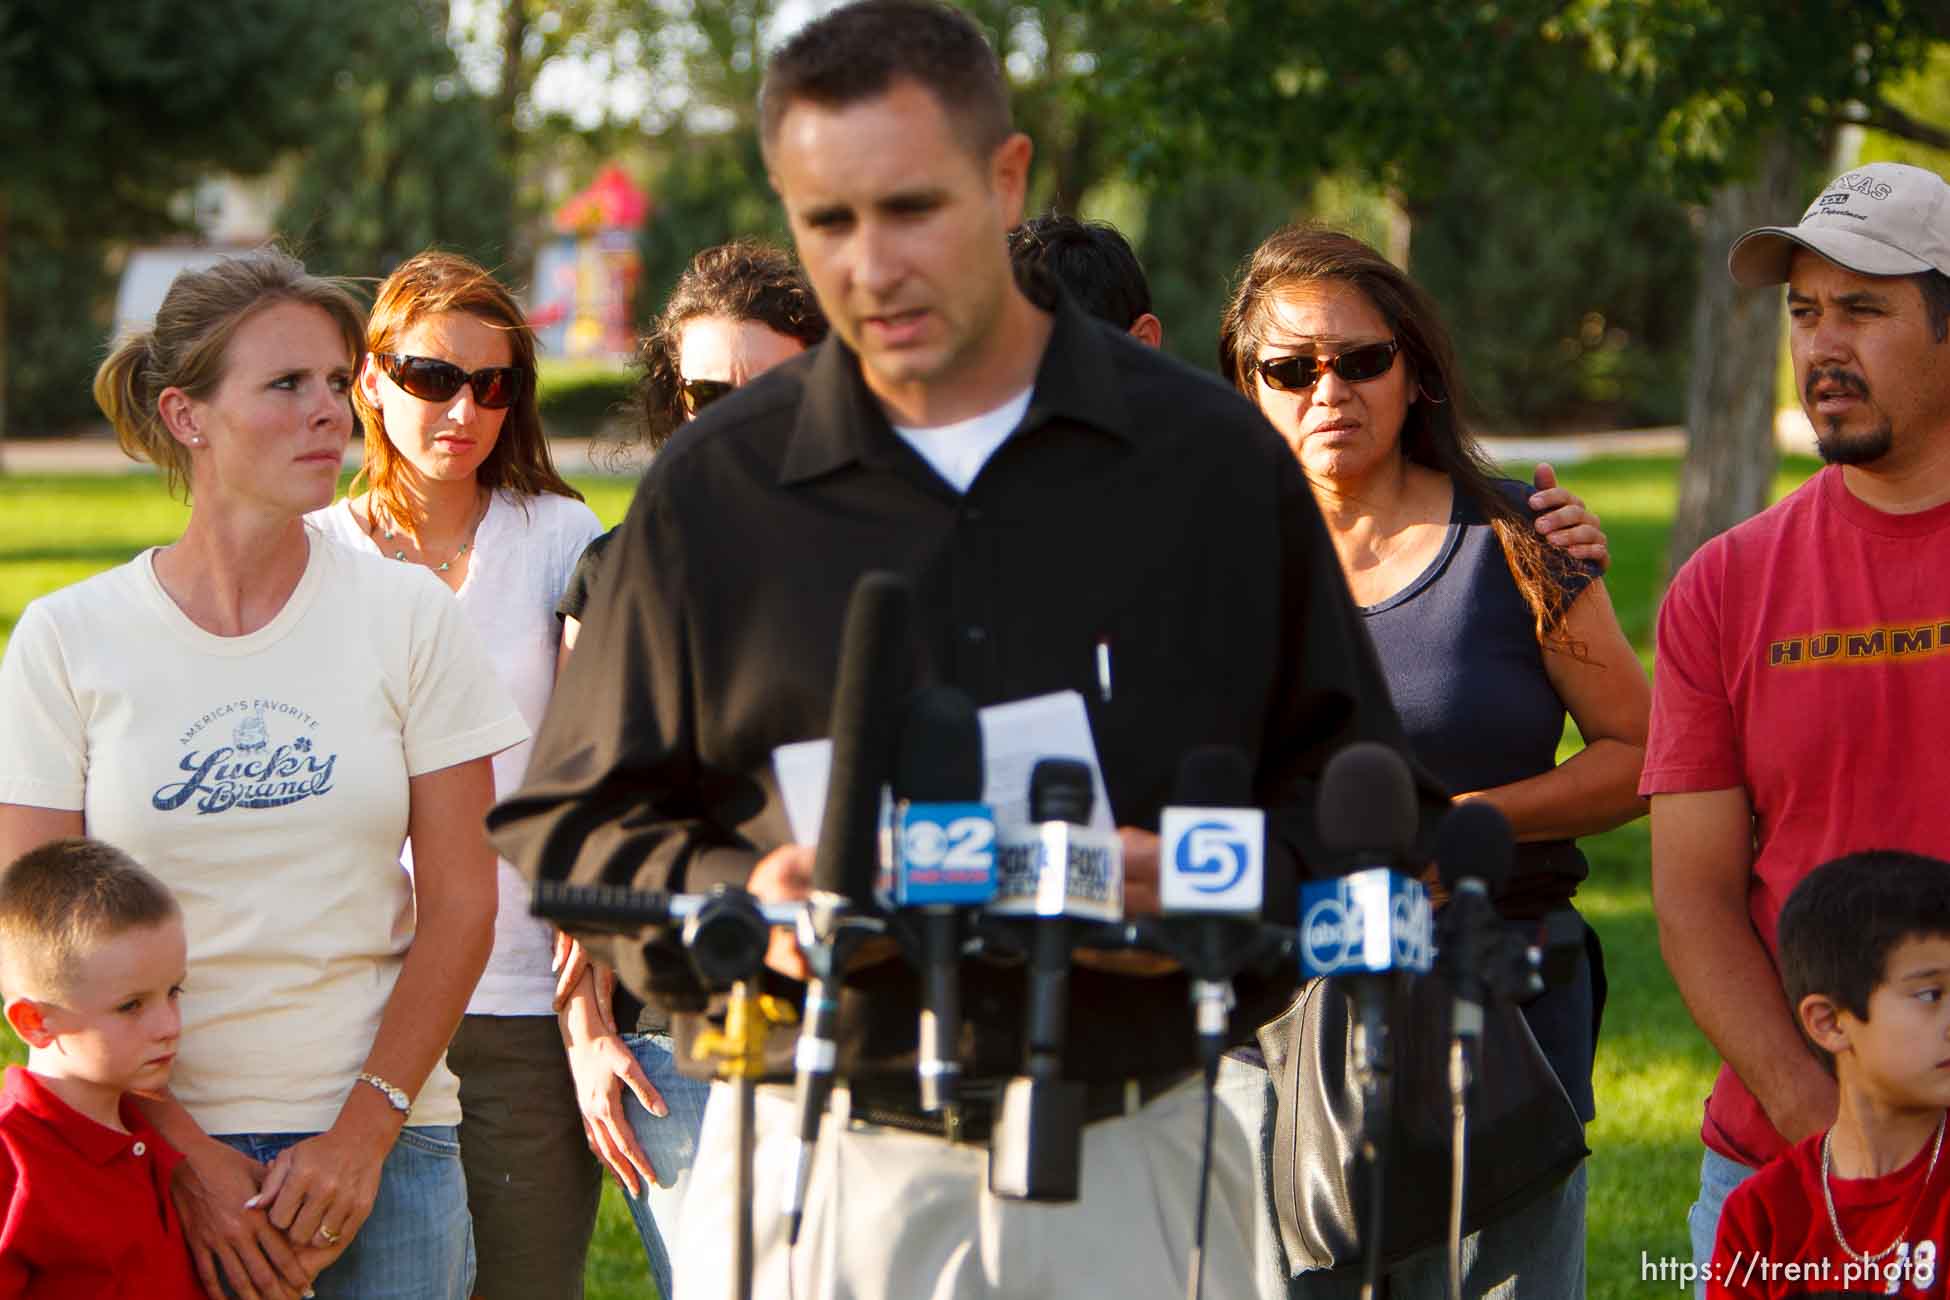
1863,1208
92,958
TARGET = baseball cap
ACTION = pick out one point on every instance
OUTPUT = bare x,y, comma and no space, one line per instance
1882,219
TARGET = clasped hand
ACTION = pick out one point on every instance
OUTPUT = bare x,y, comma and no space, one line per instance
232,1240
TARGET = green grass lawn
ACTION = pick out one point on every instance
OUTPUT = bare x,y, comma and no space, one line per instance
1653,1069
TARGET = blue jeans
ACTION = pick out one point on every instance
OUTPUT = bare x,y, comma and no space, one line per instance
671,1145
1718,1176
418,1242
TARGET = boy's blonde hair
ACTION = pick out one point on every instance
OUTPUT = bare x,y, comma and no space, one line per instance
62,900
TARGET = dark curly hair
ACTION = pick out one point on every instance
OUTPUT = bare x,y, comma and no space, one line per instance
1432,433
743,281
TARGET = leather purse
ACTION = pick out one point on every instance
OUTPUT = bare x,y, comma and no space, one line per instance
1524,1135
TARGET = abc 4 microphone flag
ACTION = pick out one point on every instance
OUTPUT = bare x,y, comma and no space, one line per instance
1366,922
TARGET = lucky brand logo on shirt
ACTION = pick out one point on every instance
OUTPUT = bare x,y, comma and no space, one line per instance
271,760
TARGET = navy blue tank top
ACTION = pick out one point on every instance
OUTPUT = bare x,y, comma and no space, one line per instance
1459,648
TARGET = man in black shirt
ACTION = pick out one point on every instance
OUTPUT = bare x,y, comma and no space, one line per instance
1050,487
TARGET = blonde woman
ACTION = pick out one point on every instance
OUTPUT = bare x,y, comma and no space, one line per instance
261,719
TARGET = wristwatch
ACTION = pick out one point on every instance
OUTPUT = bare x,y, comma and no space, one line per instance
393,1094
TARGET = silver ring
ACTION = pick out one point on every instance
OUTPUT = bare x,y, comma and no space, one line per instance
331,1238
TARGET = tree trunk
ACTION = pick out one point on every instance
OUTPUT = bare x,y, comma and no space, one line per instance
3,331
514,35
1730,450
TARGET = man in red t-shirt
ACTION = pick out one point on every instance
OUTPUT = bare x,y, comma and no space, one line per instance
1797,702
1864,1207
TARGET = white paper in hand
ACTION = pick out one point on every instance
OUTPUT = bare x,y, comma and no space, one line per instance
1014,736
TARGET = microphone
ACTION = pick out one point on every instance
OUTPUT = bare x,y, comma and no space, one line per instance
1370,920
1060,873
1374,926
944,859
1212,881
1476,851
875,661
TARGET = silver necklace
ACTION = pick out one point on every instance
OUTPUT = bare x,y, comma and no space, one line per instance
390,533
1835,1220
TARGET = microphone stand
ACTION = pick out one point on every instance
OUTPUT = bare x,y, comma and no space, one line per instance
724,933
828,933
1374,1056
1212,949
740,1055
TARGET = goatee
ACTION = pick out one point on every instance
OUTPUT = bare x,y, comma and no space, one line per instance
1864,448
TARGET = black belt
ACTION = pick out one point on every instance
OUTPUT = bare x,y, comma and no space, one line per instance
885,1104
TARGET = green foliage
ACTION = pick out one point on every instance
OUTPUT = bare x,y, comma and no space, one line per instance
1925,95
1394,89
109,110
59,312
578,399
712,188
397,158
1709,77
159,93
1196,229
1567,311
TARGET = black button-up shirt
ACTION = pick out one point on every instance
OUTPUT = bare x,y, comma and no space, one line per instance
1140,503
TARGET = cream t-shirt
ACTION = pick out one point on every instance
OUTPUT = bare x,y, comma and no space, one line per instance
523,554
264,779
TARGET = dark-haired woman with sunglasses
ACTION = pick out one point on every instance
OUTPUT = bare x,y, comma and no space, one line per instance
458,481
737,310
1487,635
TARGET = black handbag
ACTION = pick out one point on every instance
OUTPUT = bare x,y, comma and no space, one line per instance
1524,1134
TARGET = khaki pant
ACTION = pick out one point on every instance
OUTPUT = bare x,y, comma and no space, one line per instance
893,1215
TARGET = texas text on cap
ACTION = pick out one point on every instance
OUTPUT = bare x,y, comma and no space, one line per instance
1882,219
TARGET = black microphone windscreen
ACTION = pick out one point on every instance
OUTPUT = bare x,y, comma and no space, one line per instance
1214,776
1367,802
940,756
1475,839
875,663
1060,791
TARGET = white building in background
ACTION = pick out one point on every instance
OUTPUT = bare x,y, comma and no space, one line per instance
229,214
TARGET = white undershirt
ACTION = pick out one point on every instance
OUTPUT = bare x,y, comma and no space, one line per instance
959,450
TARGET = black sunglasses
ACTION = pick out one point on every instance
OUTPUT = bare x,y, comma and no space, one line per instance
495,387
700,393
1355,365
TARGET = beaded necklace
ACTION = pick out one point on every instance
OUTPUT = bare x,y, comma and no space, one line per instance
388,532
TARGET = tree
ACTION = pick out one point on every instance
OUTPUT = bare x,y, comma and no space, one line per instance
1728,102
110,110
396,161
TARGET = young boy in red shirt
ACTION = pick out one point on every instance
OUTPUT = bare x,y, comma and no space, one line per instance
92,958
1864,1208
